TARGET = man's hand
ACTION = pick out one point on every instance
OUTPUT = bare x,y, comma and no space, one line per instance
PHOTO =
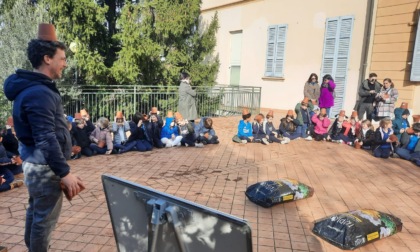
71,185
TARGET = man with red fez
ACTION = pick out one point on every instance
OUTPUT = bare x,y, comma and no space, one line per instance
44,138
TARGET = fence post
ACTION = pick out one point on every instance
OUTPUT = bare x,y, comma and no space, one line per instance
135,99
252,99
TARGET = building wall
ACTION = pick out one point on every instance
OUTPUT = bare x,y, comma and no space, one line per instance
304,45
394,34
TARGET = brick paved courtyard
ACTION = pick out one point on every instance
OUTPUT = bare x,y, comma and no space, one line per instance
217,176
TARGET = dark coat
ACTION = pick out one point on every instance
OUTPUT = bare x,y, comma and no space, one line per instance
397,123
10,143
289,127
39,120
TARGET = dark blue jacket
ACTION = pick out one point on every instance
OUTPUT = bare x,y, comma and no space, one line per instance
39,120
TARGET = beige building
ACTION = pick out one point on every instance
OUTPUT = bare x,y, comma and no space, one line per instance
277,44
394,36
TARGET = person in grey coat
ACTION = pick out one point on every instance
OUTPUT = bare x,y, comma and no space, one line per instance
186,104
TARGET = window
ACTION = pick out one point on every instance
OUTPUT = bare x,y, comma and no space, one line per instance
415,63
336,55
274,63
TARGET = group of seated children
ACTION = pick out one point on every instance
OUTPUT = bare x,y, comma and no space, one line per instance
142,133
392,138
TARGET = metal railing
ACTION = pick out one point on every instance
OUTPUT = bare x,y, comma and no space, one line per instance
219,100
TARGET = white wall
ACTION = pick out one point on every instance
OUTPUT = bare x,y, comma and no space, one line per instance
304,45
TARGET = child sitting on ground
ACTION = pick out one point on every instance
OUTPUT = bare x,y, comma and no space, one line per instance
400,124
154,127
245,127
9,170
322,122
410,146
289,128
170,132
303,114
258,132
186,130
119,128
79,130
336,132
384,139
269,128
351,129
101,138
366,136
205,133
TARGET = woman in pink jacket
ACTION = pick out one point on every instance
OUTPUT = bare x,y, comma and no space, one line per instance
326,98
322,122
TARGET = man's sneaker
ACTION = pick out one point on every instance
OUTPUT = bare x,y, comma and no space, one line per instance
244,141
199,145
286,140
168,145
395,155
16,183
264,141
308,138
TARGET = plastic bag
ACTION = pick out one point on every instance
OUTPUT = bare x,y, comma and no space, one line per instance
269,193
356,228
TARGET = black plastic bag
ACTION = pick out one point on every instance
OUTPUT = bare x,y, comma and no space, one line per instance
269,193
356,228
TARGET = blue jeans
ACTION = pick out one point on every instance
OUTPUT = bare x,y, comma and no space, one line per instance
45,201
382,152
95,149
8,176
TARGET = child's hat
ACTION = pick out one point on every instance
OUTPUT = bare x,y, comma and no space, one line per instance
9,121
416,118
404,105
46,32
170,114
178,116
77,116
119,115
290,112
354,114
154,110
305,101
270,113
245,111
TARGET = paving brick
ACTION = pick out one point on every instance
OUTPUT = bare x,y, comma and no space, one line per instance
217,176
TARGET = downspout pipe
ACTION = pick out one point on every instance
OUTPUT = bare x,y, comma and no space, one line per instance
365,50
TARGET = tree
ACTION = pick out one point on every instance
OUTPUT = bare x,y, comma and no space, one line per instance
16,30
161,38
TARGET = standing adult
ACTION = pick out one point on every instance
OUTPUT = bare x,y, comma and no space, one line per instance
186,104
312,88
385,100
367,92
326,97
44,138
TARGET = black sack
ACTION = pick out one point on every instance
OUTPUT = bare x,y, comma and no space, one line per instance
356,228
269,193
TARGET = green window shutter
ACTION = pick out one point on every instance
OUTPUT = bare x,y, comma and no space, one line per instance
415,63
271,46
276,44
280,50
